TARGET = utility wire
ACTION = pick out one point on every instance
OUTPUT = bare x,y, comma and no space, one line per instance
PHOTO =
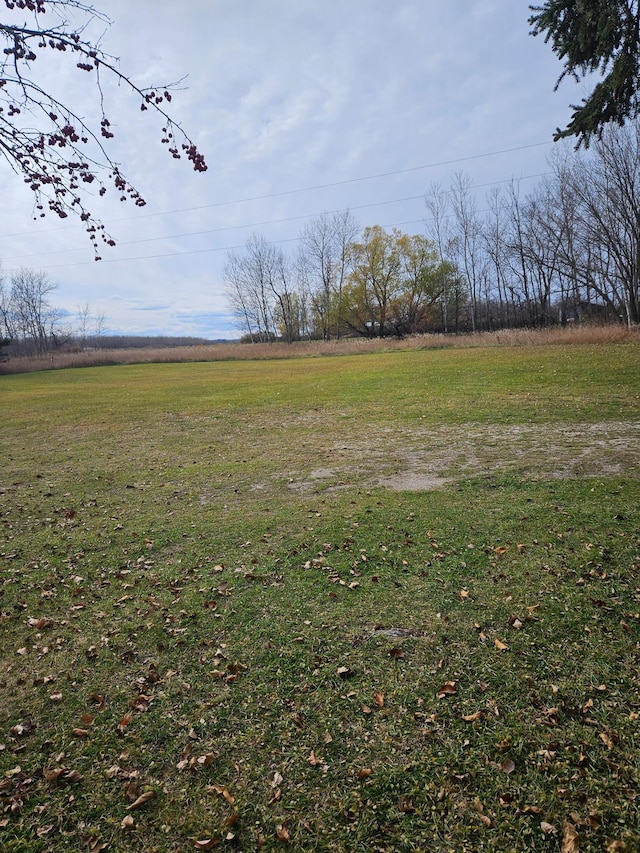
263,223
309,189
212,248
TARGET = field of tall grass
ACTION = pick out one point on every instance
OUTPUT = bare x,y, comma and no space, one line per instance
58,359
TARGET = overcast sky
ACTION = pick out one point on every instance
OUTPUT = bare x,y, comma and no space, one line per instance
299,107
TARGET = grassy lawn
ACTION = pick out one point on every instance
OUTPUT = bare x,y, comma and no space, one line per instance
378,602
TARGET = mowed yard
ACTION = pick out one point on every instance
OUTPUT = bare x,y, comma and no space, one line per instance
377,602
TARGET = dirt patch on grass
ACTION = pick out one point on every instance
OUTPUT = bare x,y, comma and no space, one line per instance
421,460
414,481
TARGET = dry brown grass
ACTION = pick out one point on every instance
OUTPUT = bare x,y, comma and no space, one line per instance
586,334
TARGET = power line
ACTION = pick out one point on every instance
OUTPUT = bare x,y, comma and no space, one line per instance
312,188
211,248
352,180
255,225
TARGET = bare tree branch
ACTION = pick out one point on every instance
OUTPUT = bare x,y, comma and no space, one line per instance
57,152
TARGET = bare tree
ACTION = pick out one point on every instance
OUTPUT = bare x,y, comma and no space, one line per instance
33,320
7,329
286,300
494,244
608,189
248,298
438,227
468,239
324,259
99,324
84,317
45,140
563,220
260,291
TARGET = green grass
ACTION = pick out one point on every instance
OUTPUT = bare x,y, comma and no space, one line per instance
210,592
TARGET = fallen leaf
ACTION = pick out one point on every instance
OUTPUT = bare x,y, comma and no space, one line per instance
535,810
396,654
141,801
41,831
552,716
548,828
277,780
507,766
344,672
124,722
616,847
313,761
500,550
99,700
447,689
61,774
472,718
23,728
220,789
127,822
609,738
364,773
378,698
282,832
500,645
206,843
570,838
39,623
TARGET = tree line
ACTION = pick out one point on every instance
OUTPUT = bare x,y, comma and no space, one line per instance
31,325
566,251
